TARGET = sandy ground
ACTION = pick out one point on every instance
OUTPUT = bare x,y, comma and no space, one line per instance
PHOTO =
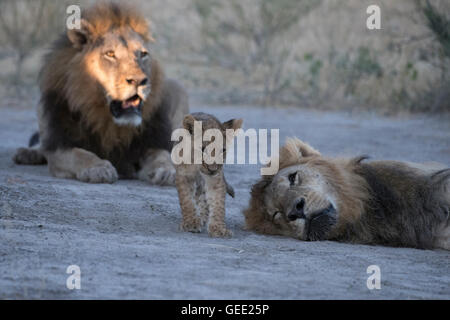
125,236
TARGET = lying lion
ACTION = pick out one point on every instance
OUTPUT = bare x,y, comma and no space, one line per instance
379,202
106,110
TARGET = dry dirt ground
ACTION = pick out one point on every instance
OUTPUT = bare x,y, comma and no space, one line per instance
125,237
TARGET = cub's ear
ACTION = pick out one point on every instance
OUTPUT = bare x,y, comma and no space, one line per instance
233,124
188,123
80,37
295,149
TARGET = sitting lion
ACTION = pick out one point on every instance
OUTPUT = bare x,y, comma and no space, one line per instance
106,111
379,202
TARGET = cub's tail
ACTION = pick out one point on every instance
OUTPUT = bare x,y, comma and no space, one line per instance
230,189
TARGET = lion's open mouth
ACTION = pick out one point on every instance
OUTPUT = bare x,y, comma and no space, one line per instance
127,112
133,102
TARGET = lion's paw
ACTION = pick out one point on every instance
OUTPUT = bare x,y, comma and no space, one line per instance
29,156
163,176
101,173
219,232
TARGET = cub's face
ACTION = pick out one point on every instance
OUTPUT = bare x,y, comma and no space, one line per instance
213,152
300,201
120,62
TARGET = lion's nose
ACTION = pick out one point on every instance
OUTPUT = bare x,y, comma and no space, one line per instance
137,81
298,210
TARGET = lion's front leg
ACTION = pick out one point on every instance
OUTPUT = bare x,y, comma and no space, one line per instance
157,168
82,165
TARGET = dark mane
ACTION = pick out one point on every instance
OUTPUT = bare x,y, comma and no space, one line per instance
403,209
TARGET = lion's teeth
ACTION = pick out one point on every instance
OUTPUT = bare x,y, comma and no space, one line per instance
133,103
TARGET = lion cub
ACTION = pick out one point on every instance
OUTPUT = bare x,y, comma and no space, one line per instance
202,187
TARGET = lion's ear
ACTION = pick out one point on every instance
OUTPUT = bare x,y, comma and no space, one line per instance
149,28
188,123
295,148
306,150
233,124
79,37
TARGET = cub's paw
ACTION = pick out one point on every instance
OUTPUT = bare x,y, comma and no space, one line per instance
192,225
29,156
103,172
163,176
219,232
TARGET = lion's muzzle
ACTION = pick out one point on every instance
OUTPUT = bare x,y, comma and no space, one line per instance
127,112
319,224
314,226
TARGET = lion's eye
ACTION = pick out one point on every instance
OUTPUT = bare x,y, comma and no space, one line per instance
291,178
110,54
144,54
